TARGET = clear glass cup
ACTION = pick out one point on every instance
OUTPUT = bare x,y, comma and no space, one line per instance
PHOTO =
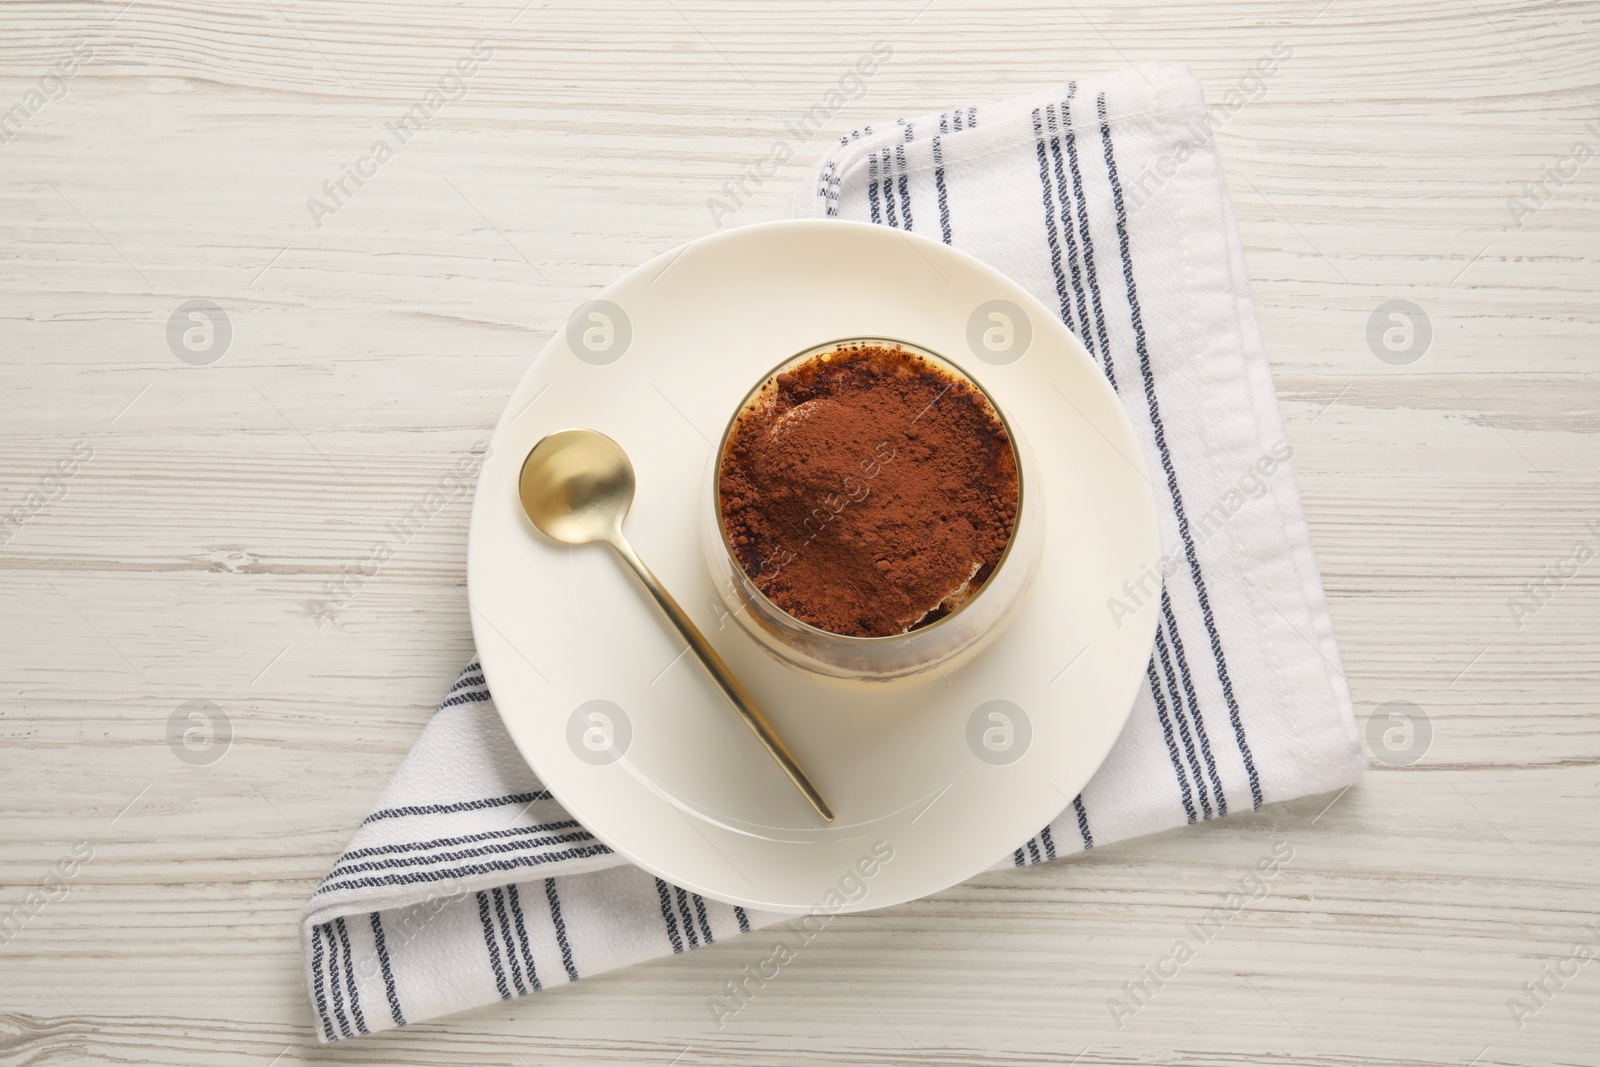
942,644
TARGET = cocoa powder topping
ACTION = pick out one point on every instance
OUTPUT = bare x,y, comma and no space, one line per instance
868,491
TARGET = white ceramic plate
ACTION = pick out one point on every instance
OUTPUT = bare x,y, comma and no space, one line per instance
684,790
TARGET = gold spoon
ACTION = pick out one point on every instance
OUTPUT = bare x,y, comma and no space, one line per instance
576,487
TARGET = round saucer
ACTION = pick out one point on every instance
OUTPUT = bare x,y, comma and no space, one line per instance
931,783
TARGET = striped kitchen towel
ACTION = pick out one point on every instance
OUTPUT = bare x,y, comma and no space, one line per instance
469,884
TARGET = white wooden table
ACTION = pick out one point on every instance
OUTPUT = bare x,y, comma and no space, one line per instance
206,505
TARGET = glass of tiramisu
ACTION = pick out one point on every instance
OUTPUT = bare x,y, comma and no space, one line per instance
872,515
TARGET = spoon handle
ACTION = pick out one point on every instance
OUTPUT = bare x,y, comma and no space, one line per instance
737,694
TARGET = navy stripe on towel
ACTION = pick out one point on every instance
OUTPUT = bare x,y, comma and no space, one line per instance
560,924
1184,713
1086,238
872,187
1083,821
891,216
464,805
381,944
700,916
317,987
1048,842
503,924
445,842
492,943
471,677
522,935
333,981
1194,703
1181,719
498,848
1142,346
667,917
682,897
350,976
1050,228
1179,660
1062,197
1049,140
1172,746
465,698
904,185
419,877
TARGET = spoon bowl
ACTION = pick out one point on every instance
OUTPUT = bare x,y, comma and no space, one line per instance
576,486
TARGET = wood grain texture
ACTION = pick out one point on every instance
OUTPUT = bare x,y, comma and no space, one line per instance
373,352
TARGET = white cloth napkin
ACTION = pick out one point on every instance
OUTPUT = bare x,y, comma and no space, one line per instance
1105,199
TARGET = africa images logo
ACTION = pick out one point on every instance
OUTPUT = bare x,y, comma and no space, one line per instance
851,85
452,86
52,85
